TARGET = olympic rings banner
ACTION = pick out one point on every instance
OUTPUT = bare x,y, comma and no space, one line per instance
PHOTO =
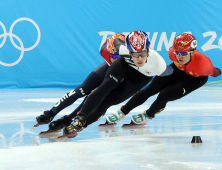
55,44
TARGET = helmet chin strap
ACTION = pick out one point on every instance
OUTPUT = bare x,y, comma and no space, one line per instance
147,54
189,60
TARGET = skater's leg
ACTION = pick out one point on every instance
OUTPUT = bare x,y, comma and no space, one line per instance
90,83
114,75
174,92
170,93
65,120
156,85
125,90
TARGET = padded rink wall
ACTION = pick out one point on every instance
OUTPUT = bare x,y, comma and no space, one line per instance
55,44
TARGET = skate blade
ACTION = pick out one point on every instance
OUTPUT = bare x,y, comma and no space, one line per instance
108,124
35,126
49,132
68,136
133,124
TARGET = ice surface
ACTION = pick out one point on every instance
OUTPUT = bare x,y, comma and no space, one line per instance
164,143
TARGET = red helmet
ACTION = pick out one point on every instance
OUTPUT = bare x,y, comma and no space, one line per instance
114,42
184,42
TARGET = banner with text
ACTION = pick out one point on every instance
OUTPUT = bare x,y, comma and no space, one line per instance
55,44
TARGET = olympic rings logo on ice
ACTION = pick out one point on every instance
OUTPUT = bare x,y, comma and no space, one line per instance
11,36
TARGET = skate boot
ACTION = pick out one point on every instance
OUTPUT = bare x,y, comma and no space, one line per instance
60,123
44,118
78,124
115,117
140,118
68,132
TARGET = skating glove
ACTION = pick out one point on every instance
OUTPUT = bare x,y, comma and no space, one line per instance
217,72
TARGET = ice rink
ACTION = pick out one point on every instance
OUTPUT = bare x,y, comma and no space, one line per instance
163,144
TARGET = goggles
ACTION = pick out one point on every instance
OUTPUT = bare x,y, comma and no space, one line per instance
114,56
183,53
142,54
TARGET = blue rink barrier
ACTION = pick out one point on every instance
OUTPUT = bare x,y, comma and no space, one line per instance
55,44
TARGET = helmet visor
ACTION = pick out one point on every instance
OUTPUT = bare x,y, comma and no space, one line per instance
114,56
142,54
183,53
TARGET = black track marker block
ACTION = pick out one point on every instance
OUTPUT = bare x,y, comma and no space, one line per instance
196,139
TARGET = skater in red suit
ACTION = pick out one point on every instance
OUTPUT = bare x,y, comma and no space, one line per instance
191,71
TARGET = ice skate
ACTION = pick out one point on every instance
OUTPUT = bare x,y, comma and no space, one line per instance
49,131
133,124
60,123
68,132
140,118
107,124
78,124
49,134
44,118
35,126
115,117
